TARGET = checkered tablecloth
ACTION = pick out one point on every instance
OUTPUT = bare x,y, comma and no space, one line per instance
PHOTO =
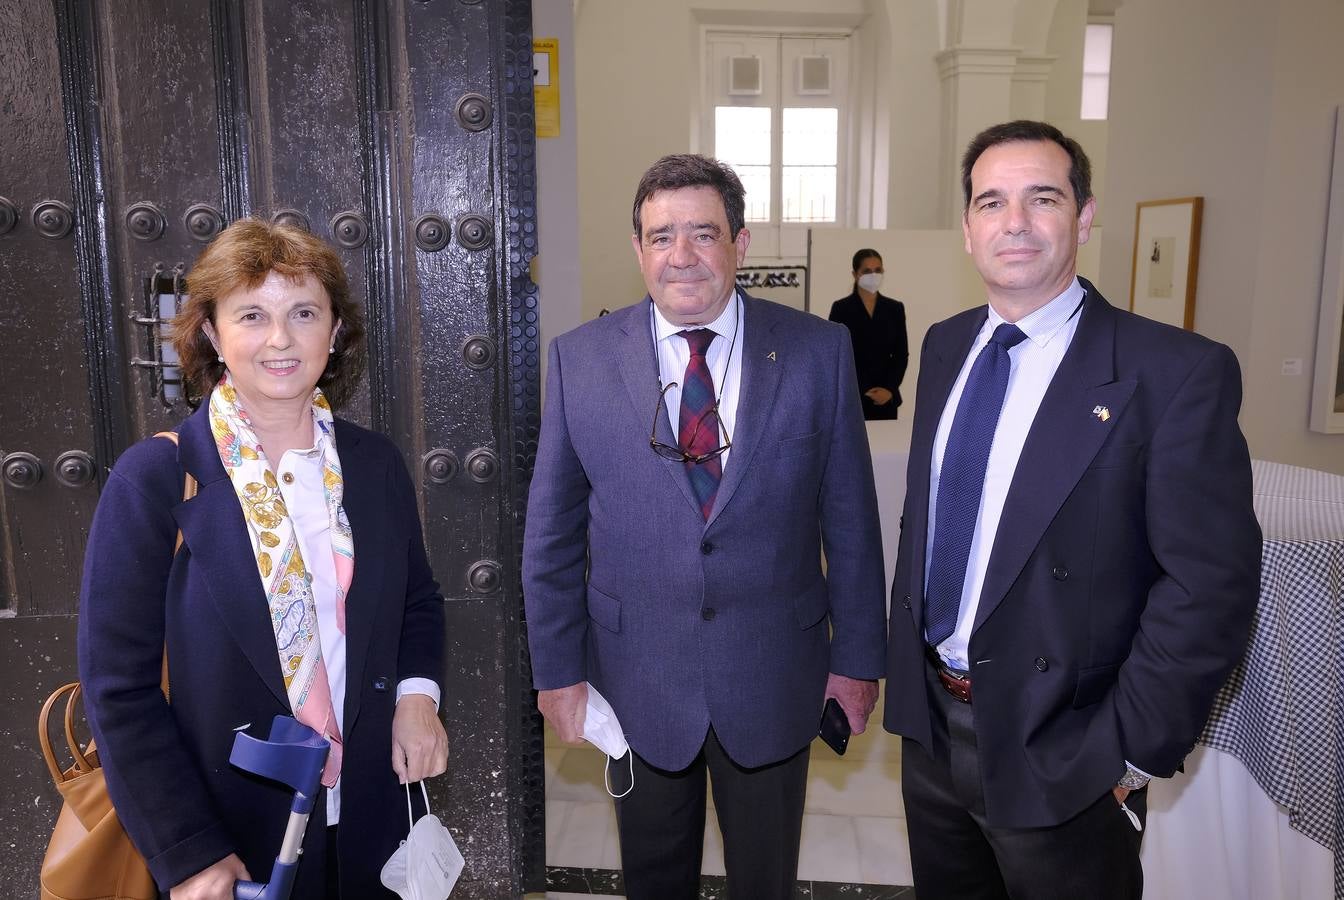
1282,711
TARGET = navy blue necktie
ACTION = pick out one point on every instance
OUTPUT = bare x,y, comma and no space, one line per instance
962,480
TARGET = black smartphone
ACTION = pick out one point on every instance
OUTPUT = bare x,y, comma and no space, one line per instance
834,728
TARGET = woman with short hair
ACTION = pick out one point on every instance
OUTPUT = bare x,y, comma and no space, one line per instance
301,588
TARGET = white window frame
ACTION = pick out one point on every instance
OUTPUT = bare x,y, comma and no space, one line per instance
778,240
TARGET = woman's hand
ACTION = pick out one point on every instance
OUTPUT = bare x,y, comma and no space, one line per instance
879,395
212,883
419,743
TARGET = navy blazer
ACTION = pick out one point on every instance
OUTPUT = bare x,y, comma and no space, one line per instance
1123,577
167,765
683,623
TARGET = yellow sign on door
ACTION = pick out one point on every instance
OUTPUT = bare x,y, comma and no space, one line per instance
546,85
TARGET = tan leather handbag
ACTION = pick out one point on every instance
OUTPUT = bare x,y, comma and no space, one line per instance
90,856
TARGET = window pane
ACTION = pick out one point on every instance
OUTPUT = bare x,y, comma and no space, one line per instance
810,136
1097,49
742,140
742,135
756,181
1096,91
809,193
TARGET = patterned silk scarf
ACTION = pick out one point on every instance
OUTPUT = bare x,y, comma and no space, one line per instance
289,587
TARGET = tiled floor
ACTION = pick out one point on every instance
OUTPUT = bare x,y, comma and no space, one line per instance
853,823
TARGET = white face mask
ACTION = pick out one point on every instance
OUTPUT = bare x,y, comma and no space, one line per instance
602,729
870,281
428,863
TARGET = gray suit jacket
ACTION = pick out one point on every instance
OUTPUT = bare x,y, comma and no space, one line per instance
683,623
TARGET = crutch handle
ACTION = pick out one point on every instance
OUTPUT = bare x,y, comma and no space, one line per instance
293,754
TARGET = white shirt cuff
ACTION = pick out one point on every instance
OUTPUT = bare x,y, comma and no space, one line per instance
419,686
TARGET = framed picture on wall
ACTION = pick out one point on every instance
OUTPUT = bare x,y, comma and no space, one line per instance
1327,395
1166,260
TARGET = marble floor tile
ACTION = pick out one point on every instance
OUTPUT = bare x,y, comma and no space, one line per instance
587,838
557,816
711,860
830,849
884,850
874,742
551,759
853,826
579,775
855,788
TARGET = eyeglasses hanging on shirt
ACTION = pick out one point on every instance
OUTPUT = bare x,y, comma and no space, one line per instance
677,453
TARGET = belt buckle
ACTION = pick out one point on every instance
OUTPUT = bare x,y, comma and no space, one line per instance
958,686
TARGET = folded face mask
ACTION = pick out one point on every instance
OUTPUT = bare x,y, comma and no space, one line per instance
602,729
428,863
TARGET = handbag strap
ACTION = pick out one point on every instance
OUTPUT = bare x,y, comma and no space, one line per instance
82,762
189,488
43,738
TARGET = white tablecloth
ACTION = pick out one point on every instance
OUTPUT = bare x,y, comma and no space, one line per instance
1214,831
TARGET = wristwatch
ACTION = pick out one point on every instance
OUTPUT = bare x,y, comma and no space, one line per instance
1133,779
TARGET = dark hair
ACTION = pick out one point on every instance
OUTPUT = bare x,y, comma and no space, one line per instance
865,253
240,258
1080,167
686,170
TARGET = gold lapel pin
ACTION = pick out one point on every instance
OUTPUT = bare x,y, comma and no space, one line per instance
771,356
1101,412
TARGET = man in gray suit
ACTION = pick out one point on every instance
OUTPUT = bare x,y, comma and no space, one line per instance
699,449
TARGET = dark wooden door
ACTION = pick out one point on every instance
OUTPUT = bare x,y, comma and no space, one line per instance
399,130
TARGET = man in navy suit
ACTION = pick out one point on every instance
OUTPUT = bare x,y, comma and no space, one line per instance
699,449
1079,559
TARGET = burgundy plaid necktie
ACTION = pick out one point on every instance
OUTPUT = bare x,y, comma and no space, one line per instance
698,429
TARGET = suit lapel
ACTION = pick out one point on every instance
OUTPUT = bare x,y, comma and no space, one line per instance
939,372
755,396
368,508
1063,439
214,531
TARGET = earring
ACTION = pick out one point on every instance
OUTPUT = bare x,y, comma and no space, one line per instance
219,359
331,349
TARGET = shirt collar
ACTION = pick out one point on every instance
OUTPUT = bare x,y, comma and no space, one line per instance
1042,325
723,325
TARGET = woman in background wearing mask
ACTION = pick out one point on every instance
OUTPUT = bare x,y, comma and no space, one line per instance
877,327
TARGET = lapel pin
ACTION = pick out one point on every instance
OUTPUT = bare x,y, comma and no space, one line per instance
1101,412
770,356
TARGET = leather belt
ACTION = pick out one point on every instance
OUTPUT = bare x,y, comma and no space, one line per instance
959,686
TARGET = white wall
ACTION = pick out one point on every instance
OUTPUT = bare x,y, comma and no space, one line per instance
1234,100
907,103
556,268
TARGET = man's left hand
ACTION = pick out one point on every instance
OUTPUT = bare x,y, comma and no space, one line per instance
856,697
1120,794
419,743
